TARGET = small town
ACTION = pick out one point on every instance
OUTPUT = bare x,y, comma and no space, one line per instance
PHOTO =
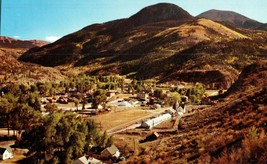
133,82
117,105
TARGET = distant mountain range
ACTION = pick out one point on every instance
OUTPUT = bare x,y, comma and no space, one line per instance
161,41
15,47
7,42
232,18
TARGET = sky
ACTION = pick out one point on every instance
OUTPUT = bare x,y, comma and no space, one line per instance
52,19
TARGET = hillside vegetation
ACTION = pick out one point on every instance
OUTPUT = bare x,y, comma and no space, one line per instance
12,71
233,131
159,42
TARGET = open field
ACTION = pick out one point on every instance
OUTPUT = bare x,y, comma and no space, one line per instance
119,117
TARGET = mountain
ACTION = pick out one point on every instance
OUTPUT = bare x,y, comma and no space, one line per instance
263,27
158,13
14,71
161,41
120,36
16,47
7,42
231,17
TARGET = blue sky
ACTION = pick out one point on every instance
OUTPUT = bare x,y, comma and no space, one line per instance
52,19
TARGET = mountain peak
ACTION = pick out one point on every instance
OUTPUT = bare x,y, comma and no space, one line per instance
158,13
230,17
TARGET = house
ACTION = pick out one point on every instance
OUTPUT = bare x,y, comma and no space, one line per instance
110,152
81,160
92,160
5,153
84,160
175,106
180,111
143,96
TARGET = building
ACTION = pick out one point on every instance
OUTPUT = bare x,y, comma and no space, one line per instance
152,136
171,111
175,106
92,160
81,160
84,160
5,153
149,124
110,152
111,93
180,111
143,96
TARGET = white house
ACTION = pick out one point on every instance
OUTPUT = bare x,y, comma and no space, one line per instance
81,160
84,160
111,151
92,160
5,153
180,111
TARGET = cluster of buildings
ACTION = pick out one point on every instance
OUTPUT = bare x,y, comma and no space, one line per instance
109,153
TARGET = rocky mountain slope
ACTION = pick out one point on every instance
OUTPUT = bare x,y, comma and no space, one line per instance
161,41
231,17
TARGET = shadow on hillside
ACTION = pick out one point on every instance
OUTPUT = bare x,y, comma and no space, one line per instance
164,66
